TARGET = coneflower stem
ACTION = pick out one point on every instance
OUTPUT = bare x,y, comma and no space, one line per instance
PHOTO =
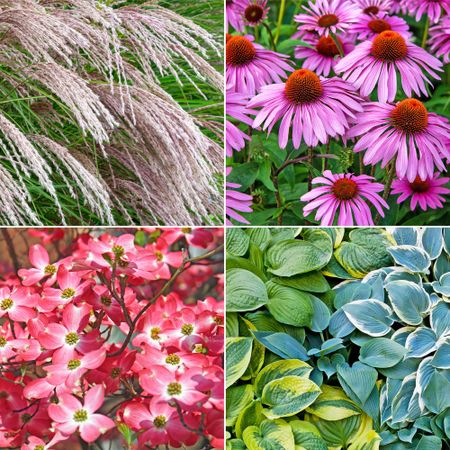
338,44
387,186
425,32
310,161
272,41
280,20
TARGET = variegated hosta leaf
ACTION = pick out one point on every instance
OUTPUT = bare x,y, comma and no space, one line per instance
440,319
349,291
239,350
271,434
340,326
370,316
441,359
307,436
333,404
366,438
405,235
280,369
413,258
238,397
381,352
432,242
250,415
421,342
245,291
409,300
288,396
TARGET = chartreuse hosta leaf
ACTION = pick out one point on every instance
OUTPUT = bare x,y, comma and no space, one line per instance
409,300
280,369
294,256
257,355
270,435
307,436
289,305
288,396
250,415
365,251
238,398
245,291
333,404
239,350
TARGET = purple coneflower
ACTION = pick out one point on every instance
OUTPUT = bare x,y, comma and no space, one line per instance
236,108
324,55
369,26
373,7
325,17
253,12
347,193
250,66
376,61
426,193
432,8
406,131
399,6
233,17
316,108
440,39
236,201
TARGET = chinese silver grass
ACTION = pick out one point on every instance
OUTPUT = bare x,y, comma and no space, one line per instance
76,51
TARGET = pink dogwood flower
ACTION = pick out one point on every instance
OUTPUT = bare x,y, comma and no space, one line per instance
17,304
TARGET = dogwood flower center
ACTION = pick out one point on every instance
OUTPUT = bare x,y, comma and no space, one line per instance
7,303
154,333
73,364
174,389
80,416
68,293
50,269
159,421
72,338
173,359
187,329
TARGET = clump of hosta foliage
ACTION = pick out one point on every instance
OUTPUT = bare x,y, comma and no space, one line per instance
338,339
107,113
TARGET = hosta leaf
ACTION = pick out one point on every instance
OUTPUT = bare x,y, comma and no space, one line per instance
250,415
263,321
282,345
309,282
236,262
370,316
441,265
405,235
257,356
366,438
280,369
436,394
365,251
432,241
232,325
443,285
238,397
429,443
307,436
340,326
239,350
235,444
441,358
401,370
409,300
321,315
420,342
401,402
293,257
349,291
335,270
333,404
401,273
237,241
329,346
288,305
338,433
288,396
245,291
271,434
358,381
413,258
381,352
260,236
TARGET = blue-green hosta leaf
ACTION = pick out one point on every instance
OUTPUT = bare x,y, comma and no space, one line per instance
372,407
307,436
238,398
429,443
402,369
432,241
357,381
293,256
401,273
441,265
440,319
271,434
288,396
237,241
321,315
407,434
387,437
401,402
410,301
340,326
329,346
280,369
370,316
441,358
375,280
239,350
443,286
332,404
436,395
405,235
329,364
245,291
289,305
413,258
446,234
364,251
421,342
387,394
349,291
381,352
402,334
282,344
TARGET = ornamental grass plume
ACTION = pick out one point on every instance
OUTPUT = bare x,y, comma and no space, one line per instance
85,115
